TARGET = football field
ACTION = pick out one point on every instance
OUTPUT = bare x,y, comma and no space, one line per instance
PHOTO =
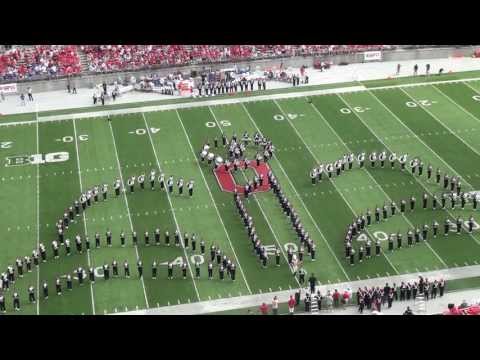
46,165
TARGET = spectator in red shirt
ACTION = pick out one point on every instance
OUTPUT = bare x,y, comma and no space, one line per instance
336,298
291,305
264,309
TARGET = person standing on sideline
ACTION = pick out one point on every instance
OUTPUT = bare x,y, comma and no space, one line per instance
398,69
275,305
30,96
2,95
22,99
263,309
312,281
291,305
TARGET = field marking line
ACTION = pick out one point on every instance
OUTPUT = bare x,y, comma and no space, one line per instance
442,123
381,188
173,211
261,210
418,138
457,104
471,87
332,182
128,207
416,179
38,209
301,200
213,200
83,212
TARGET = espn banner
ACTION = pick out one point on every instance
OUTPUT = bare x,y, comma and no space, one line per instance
372,55
8,88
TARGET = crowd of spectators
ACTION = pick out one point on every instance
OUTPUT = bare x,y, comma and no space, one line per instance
106,58
60,60
39,61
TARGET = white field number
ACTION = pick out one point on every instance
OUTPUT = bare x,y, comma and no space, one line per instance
69,139
413,104
358,109
379,235
179,260
6,144
211,124
293,246
143,131
476,97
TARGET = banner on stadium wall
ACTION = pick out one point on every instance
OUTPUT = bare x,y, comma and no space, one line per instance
8,88
372,55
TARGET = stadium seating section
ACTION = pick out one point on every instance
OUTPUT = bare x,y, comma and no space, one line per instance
44,61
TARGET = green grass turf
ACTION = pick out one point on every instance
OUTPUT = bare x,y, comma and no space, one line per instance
442,131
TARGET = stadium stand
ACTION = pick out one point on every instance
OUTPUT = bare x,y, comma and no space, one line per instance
41,61
46,61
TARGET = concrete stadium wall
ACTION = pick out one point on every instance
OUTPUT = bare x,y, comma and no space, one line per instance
88,81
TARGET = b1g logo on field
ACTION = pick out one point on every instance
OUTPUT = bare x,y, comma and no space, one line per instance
36,159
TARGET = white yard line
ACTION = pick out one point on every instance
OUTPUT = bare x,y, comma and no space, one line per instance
417,137
38,211
283,296
261,209
128,207
213,201
332,182
456,104
153,108
301,200
171,207
83,212
370,175
416,179
471,87
442,123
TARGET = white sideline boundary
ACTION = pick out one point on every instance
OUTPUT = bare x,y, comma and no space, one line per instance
174,106
239,302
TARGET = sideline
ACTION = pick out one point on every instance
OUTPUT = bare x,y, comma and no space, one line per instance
240,302
174,106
